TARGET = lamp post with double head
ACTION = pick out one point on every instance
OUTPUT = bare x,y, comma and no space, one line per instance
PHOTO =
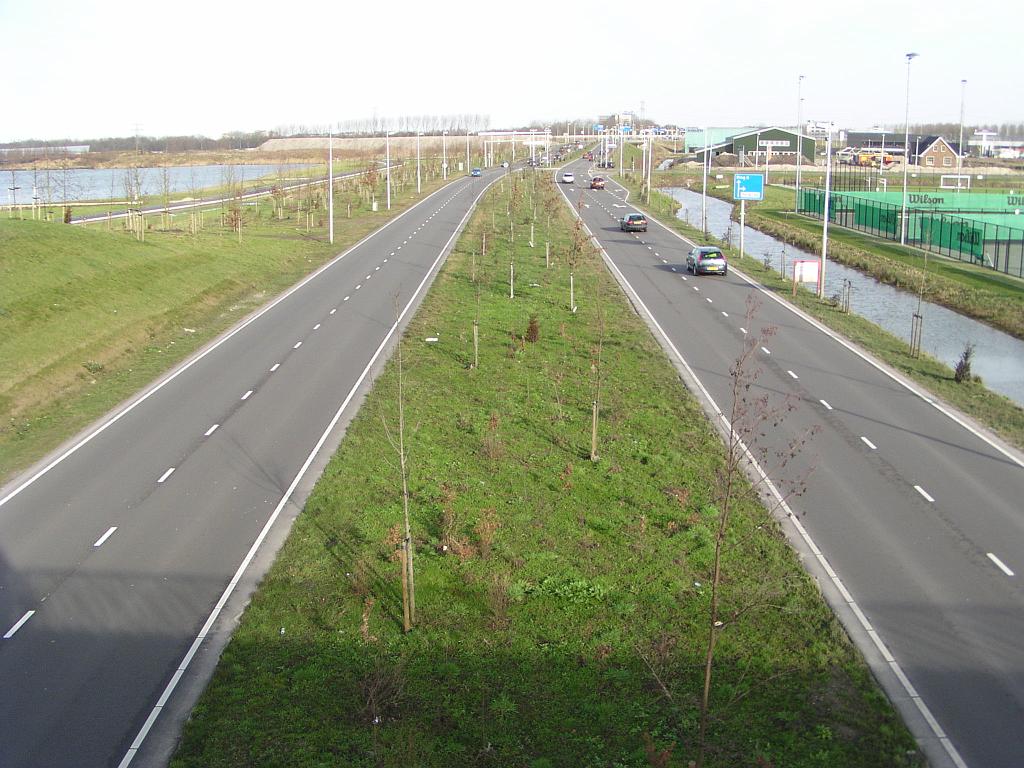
960,146
906,155
799,136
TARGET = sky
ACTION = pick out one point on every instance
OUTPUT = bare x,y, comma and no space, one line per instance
89,69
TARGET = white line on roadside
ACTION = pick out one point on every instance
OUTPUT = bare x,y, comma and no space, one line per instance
386,261
105,536
725,314
211,430
827,406
316,327
868,443
708,299
765,350
274,367
247,395
673,269
1000,563
346,298
793,374
744,330
923,492
165,475
297,345
368,277
377,268
18,625
359,286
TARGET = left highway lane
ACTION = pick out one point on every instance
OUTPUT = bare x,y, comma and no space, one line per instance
115,552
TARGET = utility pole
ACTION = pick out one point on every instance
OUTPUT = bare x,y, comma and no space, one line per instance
418,134
444,155
330,186
387,164
824,222
960,146
906,156
799,137
467,151
704,188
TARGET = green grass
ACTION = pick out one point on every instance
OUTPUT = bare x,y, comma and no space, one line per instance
562,603
90,316
998,413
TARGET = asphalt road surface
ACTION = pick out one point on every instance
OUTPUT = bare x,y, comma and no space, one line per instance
921,517
118,553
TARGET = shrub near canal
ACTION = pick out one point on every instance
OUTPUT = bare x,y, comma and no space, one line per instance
561,603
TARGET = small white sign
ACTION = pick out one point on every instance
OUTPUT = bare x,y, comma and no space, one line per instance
773,143
805,271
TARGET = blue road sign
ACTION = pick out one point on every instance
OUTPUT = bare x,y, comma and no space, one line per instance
748,186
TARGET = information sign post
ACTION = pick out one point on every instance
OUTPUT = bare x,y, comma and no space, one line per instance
746,186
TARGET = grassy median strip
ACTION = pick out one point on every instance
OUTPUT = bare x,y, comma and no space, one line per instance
89,316
561,603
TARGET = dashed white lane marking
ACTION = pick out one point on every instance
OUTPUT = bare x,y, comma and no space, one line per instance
368,277
18,625
673,269
297,345
649,248
696,288
663,261
793,374
246,395
274,367
376,269
743,329
391,254
316,327
924,493
1000,564
658,255
211,430
708,299
105,536
827,406
386,261
165,475
684,277
398,248
766,350
725,314
868,443
334,310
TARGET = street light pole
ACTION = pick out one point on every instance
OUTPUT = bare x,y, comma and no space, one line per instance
824,219
467,150
704,188
960,146
444,155
906,155
799,137
418,134
387,163
330,186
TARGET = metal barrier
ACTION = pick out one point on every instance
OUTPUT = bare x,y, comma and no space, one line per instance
986,239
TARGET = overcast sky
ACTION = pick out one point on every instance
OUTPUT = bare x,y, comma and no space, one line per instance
89,69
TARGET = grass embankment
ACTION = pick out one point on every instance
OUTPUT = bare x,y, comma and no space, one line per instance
971,290
562,604
89,317
996,412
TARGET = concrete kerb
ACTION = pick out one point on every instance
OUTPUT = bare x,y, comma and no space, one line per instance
933,741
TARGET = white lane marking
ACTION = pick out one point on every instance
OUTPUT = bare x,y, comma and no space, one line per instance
334,310
673,269
1000,563
766,350
274,367
743,329
392,254
105,536
359,286
708,299
696,288
783,505
375,269
793,374
316,327
17,626
725,314
347,298
368,277
209,350
658,255
211,430
297,345
684,277
246,395
923,492
827,406
868,443
165,475
398,248
663,261
386,261
649,248
186,660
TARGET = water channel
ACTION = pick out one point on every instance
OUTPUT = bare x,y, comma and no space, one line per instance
55,186
998,357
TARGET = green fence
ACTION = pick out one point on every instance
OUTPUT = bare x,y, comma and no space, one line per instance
993,240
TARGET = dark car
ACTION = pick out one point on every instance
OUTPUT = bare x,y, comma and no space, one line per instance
475,172
633,222
705,260
597,183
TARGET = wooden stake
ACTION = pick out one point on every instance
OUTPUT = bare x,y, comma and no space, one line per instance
403,558
476,344
593,434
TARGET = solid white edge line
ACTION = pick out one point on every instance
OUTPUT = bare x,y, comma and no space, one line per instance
105,536
185,365
1000,564
187,659
10,632
211,430
924,493
165,475
790,515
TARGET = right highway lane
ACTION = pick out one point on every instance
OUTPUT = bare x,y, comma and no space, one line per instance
920,515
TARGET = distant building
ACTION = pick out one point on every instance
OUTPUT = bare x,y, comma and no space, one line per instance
695,137
893,143
936,153
764,143
988,144
28,153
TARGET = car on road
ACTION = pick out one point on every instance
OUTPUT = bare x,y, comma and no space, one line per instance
505,164
633,222
706,260
475,172
597,183
568,178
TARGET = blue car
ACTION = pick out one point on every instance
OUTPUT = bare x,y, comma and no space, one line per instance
475,172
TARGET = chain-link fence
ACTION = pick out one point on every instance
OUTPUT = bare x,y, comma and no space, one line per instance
994,240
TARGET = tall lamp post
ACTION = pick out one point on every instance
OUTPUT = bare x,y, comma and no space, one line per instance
906,155
467,150
444,154
387,163
799,137
824,218
330,186
418,134
960,146
704,189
